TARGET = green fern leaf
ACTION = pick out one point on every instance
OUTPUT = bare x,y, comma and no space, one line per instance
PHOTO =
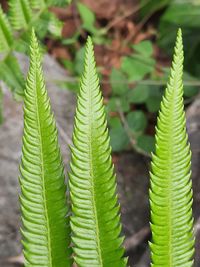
5,32
45,228
11,74
20,13
171,188
95,220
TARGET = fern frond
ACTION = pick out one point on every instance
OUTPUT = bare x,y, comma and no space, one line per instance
95,220
38,4
45,228
11,74
47,3
171,186
6,38
20,13
58,2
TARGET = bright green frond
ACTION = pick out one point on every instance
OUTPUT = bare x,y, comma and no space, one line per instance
20,13
95,219
45,228
171,189
6,38
11,74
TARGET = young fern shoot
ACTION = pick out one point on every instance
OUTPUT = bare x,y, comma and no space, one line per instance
45,230
171,187
95,220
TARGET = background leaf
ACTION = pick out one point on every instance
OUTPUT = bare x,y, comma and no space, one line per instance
137,67
146,143
145,48
137,121
119,139
87,16
184,15
118,82
152,6
138,94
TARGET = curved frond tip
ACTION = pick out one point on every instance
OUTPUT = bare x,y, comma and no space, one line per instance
95,219
171,188
45,228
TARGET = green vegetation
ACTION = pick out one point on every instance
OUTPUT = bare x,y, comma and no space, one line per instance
136,83
94,232
15,28
171,186
95,220
45,231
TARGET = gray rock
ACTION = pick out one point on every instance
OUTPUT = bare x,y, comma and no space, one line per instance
193,126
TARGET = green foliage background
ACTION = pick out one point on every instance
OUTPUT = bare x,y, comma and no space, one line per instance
137,88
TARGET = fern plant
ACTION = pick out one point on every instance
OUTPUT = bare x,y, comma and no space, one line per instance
95,234
95,220
171,189
45,231
15,28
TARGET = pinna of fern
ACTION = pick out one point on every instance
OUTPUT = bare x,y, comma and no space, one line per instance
45,230
95,220
171,187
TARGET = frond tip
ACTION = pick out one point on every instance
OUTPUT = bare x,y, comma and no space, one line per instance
45,229
171,188
95,219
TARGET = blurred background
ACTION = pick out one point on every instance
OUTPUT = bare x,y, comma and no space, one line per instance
133,42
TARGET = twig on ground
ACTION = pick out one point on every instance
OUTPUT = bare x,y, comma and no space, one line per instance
197,226
117,20
16,259
195,83
63,134
133,241
128,13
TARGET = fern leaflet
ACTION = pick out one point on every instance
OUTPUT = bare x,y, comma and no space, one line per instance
95,219
171,188
45,231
